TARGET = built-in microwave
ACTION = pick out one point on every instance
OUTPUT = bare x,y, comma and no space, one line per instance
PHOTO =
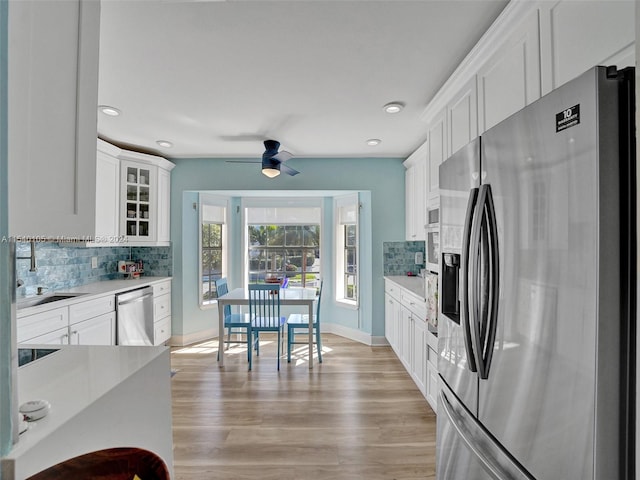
432,238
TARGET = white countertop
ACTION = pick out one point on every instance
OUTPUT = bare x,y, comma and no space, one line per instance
115,286
89,291
414,284
73,378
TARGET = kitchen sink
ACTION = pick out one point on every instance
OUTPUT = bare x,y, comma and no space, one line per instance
44,299
28,355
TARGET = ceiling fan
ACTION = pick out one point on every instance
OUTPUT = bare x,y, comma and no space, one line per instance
272,160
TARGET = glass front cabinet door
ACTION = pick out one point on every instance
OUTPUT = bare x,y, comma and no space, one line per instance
139,183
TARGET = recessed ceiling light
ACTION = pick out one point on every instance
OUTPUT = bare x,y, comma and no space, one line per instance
110,111
372,142
393,107
164,143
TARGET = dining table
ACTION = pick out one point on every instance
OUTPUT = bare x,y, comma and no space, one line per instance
296,296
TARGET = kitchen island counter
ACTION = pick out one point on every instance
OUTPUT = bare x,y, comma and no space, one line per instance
101,397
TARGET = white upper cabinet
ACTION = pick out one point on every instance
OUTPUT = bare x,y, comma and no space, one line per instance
145,186
164,204
52,117
510,79
462,117
531,48
415,194
438,152
133,196
578,35
107,194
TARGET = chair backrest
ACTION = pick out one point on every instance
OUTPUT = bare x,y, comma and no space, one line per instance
264,303
317,319
222,288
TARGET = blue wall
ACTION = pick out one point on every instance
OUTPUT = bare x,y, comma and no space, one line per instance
380,181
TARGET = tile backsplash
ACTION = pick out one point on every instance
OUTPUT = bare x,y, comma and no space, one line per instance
399,257
62,266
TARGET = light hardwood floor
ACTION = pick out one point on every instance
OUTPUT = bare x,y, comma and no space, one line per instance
358,415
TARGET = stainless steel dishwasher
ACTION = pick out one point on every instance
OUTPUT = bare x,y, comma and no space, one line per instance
135,317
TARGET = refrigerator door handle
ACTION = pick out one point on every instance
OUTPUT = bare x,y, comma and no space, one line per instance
466,237
485,303
493,286
457,422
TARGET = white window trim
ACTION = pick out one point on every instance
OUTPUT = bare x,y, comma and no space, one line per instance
338,203
216,201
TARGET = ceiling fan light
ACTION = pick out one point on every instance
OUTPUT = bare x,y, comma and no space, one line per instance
271,172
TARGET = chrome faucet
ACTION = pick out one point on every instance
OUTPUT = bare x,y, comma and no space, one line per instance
33,267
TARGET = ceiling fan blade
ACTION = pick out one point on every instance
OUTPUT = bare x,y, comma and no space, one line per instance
243,161
288,170
282,156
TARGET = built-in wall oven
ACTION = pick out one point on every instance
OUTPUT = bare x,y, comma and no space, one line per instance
432,238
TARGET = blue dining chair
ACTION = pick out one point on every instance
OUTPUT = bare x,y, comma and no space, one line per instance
264,310
299,321
234,322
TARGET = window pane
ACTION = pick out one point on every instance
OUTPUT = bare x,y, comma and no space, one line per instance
276,251
350,235
275,235
350,287
311,235
216,235
205,235
293,235
211,260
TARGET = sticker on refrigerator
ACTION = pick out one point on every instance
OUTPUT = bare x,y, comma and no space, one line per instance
568,118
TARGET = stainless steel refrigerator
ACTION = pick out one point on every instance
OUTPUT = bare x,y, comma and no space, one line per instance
536,323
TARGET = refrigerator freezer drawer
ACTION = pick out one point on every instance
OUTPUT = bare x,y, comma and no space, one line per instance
465,450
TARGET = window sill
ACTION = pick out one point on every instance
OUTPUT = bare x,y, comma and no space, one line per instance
350,304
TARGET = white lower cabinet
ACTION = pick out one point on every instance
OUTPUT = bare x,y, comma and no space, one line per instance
56,337
161,312
407,333
419,353
99,330
44,327
405,337
86,323
432,386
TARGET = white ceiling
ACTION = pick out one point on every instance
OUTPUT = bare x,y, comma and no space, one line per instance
217,78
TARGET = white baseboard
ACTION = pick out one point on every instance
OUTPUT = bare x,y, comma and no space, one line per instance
353,334
191,338
346,332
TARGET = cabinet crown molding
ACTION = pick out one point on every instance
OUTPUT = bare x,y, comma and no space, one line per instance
491,42
122,154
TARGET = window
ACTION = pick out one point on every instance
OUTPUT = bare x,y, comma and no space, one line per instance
350,262
211,260
283,242
213,248
347,279
284,251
